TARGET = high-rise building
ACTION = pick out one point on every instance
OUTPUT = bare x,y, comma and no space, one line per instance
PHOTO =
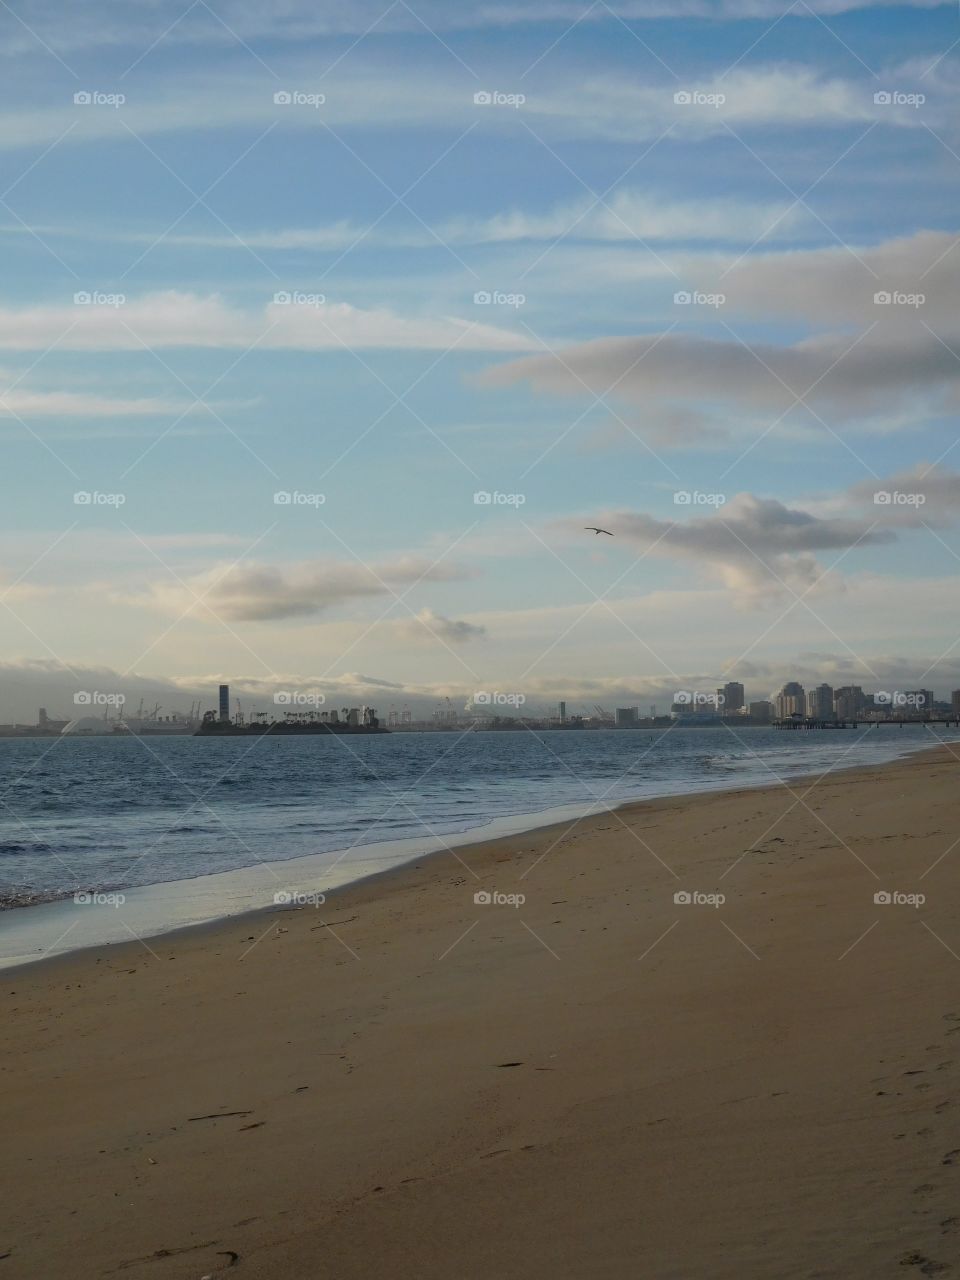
820,703
761,712
955,702
730,699
563,713
849,701
224,702
919,702
791,701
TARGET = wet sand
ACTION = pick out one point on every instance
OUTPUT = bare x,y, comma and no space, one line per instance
600,1082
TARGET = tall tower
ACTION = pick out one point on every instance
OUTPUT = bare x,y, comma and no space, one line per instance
224,702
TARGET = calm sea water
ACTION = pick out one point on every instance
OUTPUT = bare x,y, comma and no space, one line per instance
87,813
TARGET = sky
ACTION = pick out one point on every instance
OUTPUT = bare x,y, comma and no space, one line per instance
326,330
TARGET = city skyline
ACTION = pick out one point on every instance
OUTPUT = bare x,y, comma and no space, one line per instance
731,701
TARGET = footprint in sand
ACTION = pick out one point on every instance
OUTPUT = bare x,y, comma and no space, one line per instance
927,1265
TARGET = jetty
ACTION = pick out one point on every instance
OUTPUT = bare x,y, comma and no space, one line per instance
808,722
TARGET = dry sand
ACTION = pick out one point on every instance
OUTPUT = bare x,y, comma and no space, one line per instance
601,1083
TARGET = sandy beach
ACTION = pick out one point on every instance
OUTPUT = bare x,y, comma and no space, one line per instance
603,1081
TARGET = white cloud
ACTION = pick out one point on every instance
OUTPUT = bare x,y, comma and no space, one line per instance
624,216
180,319
80,404
253,592
430,626
594,105
140,24
758,549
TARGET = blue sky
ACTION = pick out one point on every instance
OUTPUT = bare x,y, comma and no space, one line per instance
585,199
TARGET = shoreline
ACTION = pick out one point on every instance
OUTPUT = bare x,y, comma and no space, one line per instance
369,1086
241,892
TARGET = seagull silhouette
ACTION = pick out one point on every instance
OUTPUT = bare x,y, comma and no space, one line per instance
592,528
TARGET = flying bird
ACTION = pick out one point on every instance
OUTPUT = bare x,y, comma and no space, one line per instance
592,528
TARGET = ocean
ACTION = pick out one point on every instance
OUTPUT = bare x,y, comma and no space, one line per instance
218,825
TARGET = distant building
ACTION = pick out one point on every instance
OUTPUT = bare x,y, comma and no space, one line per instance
224,702
626,716
820,703
849,701
762,712
955,702
730,699
46,725
563,713
919,702
791,701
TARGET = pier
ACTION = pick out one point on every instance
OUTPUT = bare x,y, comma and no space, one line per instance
806,722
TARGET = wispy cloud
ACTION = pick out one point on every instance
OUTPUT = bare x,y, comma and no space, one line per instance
141,24
584,104
180,319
